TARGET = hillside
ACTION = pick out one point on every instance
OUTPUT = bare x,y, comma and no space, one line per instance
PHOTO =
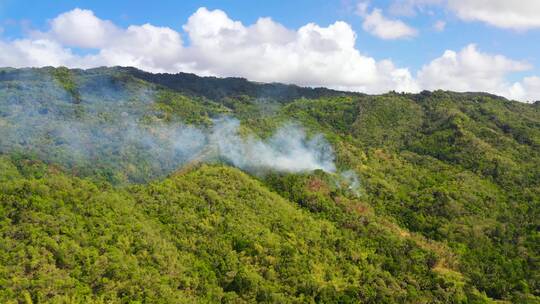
122,186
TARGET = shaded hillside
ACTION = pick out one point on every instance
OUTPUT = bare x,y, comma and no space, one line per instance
218,88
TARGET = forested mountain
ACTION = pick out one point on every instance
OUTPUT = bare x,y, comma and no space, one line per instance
122,186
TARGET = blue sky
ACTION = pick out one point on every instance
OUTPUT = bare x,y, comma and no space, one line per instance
402,31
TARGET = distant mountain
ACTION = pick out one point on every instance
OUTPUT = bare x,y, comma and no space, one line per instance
123,186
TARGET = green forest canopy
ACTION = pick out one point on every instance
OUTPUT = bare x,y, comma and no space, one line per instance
447,210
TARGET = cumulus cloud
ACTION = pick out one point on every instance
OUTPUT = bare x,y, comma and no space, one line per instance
266,51
472,70
81,28
380,26
311,55
145,46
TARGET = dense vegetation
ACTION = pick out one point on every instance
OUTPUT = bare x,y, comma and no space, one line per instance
447,210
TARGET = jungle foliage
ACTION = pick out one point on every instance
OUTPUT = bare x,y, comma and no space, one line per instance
447,210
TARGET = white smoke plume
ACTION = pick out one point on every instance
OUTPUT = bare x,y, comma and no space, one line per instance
352,181
287,150
108,131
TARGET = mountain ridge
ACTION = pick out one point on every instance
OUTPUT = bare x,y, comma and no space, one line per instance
185,82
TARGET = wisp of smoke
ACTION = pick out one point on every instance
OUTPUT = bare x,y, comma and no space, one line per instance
288,150
352,181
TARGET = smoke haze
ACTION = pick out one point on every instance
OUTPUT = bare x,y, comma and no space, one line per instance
115,126
287,150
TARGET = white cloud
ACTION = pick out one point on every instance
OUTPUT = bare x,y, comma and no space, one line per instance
145,46
531,88
81,28
311,55
518,15
39,52
508,14
377,24
472,70
380,26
